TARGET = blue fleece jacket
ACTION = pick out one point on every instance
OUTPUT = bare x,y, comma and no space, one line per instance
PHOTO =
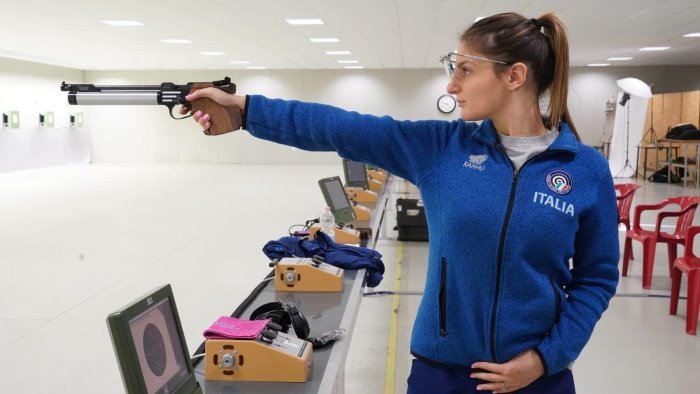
518,260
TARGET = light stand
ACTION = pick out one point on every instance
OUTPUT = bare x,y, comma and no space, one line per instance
653,139
624,102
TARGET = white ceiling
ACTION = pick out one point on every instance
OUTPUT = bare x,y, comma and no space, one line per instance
392,34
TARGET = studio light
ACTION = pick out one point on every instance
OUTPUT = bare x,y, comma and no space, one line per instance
624,99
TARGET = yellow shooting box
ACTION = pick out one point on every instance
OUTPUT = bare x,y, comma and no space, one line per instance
284,359
303,274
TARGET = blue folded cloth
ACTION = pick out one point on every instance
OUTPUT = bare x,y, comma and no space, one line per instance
342,256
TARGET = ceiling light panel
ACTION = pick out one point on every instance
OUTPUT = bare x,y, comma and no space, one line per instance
654,48
120,23
175,41
304,21
323,40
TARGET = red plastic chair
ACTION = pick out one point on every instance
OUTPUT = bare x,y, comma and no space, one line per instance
649,238
690,264
624,203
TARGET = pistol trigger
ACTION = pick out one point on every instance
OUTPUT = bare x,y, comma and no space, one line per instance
170,110
171,107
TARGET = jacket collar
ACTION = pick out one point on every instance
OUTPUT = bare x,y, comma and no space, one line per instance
566,140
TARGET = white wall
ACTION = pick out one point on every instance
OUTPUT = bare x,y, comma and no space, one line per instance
32,88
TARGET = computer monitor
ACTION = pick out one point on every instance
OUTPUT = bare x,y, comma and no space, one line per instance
336,199
355,174
150,346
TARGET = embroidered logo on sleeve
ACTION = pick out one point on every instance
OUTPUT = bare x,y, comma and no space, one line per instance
476,162
559,182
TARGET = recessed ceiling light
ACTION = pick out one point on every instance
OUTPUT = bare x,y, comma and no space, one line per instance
239,62
175,41
348,61
614,59
598,64
256,68
304,21
478,18
213,53
354,67
122,23
337,52
324,40
654,48
692,35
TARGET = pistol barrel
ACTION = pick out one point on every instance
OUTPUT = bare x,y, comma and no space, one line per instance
121,97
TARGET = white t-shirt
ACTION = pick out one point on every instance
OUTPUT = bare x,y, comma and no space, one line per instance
519,149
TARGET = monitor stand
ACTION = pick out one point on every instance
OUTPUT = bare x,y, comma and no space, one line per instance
344,235
361,195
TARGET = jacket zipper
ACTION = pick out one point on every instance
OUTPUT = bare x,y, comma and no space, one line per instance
499,265
501,245
443,298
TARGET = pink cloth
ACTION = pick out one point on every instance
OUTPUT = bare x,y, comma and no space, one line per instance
231,328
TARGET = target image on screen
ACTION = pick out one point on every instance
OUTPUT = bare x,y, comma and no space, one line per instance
158,348
150,346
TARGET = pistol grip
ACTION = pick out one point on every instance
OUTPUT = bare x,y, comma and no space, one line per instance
223,119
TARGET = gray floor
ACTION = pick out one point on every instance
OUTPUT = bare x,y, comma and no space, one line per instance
79,242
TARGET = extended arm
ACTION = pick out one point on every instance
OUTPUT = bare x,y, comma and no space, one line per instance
405,148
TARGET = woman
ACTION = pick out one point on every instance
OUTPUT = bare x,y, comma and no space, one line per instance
511,203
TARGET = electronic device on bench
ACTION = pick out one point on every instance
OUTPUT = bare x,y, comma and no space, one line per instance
307,274
343,212
150,346
356,175
357,186
336,199
356,182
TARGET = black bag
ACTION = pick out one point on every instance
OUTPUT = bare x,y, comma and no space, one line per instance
661,176
411,221
674,133
690,134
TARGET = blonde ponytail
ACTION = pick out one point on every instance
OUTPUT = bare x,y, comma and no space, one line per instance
558,110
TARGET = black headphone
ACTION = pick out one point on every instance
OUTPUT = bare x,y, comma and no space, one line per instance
281,313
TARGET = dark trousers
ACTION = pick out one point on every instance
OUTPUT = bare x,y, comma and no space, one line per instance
429,379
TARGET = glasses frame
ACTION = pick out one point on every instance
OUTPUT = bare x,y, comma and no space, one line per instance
450,65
